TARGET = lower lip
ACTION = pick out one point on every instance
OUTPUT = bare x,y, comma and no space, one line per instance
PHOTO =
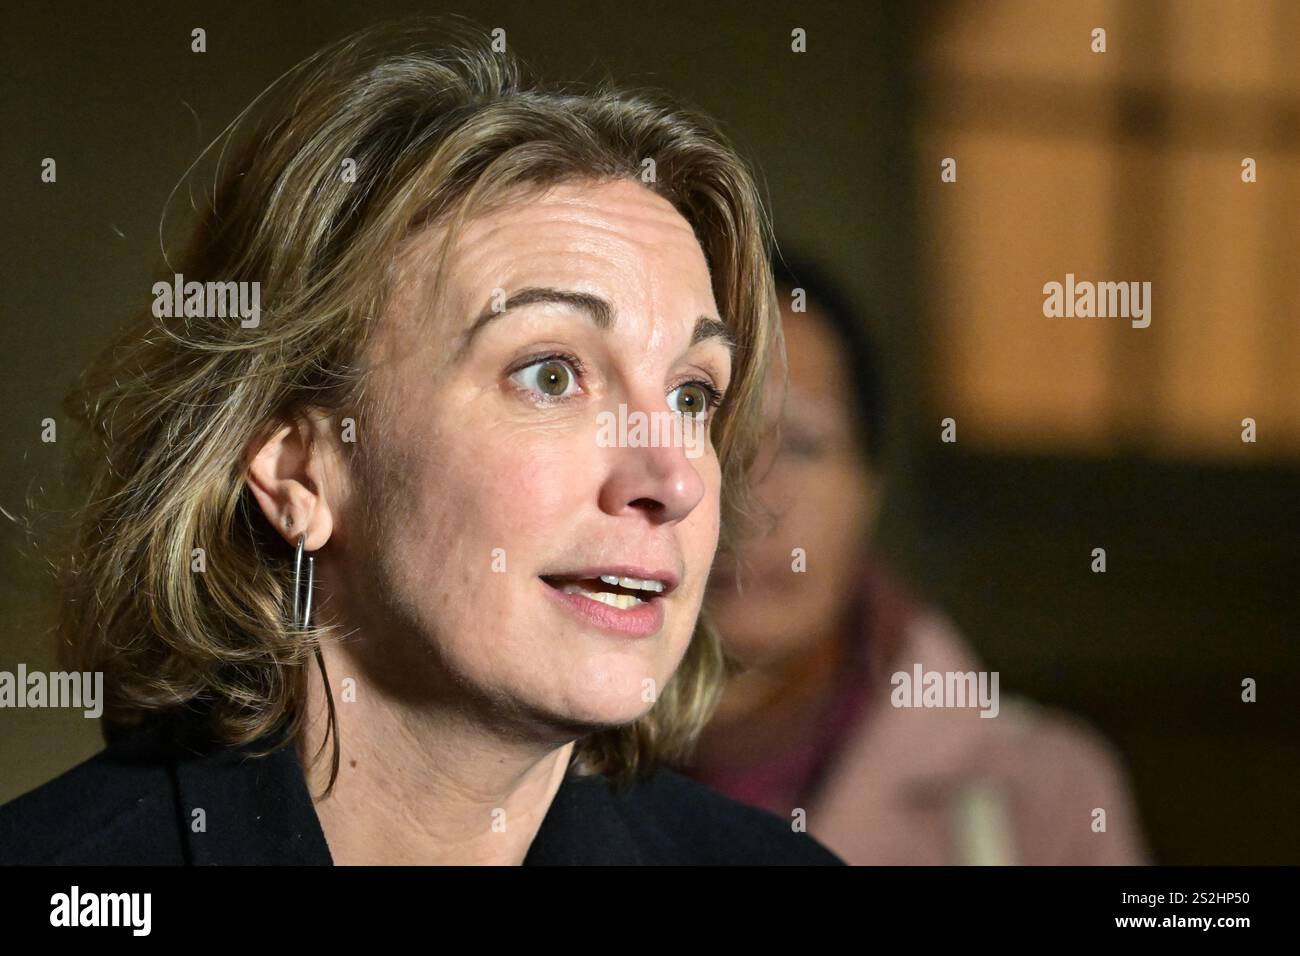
641,620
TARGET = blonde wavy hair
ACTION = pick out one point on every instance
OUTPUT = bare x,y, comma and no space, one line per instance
438,126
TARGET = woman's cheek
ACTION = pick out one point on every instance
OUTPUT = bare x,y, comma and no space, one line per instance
712,502
537,481
699,532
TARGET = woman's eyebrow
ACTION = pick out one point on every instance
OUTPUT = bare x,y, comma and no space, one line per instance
599,310
706,328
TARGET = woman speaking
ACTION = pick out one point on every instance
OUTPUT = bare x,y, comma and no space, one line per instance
365,577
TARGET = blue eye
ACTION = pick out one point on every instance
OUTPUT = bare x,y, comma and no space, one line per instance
552,377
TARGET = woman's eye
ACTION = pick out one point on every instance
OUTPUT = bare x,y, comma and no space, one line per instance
550,377
694,399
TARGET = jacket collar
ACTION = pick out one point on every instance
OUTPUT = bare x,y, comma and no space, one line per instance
255,810
584,827
259,811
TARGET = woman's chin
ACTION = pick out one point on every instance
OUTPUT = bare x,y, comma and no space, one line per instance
603,710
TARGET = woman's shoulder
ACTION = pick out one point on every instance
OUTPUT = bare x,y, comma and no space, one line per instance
665,818
165,793
127,805
722,830
114,807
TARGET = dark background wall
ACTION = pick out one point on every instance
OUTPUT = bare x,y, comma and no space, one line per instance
1203,586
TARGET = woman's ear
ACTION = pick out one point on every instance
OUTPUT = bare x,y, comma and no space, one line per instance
286,475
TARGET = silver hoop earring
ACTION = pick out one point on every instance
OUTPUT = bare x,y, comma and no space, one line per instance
299,603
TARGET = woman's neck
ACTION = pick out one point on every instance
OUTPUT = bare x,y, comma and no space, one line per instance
425,787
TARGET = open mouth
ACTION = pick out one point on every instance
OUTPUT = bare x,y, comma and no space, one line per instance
615,590
612,600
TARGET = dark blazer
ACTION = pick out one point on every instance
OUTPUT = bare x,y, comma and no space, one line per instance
133,804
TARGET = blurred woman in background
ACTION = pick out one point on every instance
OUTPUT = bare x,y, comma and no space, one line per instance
806,721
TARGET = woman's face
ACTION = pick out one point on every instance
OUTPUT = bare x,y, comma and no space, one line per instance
823,495
487,487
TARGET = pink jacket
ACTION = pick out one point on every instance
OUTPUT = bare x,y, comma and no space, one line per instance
947,786
912,785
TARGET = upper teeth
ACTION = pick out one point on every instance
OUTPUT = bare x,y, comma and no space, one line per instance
637,584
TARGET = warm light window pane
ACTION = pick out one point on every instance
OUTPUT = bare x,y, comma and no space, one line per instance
1051,182
1026,211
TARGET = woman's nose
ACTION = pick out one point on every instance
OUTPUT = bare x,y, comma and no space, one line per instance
656,477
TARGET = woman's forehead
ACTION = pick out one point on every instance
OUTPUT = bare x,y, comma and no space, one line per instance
617,240
615,228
